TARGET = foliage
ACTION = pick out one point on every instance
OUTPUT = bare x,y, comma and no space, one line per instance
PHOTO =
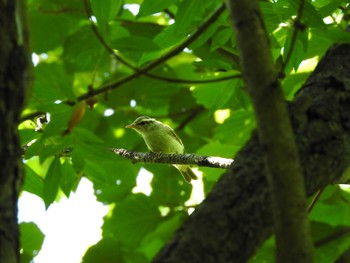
197,90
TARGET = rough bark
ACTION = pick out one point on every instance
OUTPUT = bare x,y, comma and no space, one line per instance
233,221
13,57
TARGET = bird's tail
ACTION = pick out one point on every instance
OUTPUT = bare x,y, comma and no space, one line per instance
187,173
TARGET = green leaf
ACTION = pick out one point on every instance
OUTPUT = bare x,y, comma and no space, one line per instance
82,51
169,188
187,12
310,15
133,219
299,48
105,10
292,83
34,149
340,214
218,149
149,7
68,178
107,250
329,9
212,65
52,83
28,135
266,252
52,181
330,250
214,97
33,183
204,37
31,239
221,37
237,128
165,39
48,30
134,43
59,117
116,30
154,241
113,181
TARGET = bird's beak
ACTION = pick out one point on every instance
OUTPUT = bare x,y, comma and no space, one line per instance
130,126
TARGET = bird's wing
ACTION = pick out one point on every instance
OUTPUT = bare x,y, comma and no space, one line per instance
175,135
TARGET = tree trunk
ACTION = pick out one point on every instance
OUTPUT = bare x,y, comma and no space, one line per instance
13,80
236,217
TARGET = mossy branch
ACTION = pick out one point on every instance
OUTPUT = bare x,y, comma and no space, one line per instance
190,159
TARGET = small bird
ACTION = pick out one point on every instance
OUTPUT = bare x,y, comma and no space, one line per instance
161,138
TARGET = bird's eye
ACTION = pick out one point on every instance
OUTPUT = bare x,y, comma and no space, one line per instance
142,123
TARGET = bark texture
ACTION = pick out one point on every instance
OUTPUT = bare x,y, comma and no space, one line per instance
236,217
13,57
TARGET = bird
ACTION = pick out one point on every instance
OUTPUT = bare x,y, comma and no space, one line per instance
161,138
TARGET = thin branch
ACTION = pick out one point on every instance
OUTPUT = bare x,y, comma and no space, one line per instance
123,61
314,200
190,159
60,11
332,237
102,40
298,26
190,117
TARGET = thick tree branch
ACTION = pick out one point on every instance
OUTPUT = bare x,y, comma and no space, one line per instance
236,215
284,173
191,159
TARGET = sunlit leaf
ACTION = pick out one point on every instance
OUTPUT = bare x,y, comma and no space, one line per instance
149,7
106,10
169,187
133,219
107,250
33,183
236,130
214,97
31,240
68,178
51,182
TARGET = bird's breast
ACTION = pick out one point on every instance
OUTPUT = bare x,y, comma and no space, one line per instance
164,143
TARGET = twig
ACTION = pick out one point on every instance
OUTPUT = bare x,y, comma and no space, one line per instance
314,200
331,237
190,159
298,26
190,117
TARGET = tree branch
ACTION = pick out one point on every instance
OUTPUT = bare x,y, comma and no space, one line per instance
190,159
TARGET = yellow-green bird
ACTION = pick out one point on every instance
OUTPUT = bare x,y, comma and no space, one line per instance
161,138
